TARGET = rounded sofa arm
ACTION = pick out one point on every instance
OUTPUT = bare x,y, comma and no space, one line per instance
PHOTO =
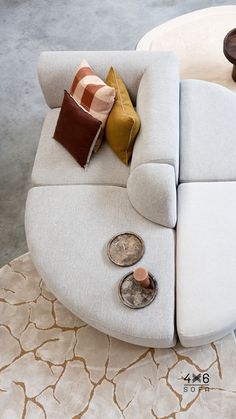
152,192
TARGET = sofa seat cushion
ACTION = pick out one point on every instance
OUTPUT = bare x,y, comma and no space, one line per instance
208,132
54,165
206,261
68,228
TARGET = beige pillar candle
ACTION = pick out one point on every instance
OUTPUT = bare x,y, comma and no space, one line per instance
142,277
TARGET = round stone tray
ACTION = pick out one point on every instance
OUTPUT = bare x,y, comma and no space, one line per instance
125,249
133,295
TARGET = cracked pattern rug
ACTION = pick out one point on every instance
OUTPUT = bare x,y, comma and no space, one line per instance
53,365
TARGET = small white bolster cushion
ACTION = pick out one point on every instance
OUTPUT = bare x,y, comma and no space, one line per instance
152,192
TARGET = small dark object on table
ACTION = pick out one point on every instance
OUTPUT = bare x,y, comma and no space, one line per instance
230,50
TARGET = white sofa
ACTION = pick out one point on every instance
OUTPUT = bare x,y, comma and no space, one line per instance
71,213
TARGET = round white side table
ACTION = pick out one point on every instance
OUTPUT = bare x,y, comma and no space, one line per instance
197,39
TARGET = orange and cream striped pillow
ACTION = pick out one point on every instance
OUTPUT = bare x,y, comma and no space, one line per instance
93,95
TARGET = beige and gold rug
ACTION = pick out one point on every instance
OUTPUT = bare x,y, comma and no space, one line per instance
53,365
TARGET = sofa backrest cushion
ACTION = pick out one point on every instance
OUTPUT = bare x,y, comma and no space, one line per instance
158,108
207,132
57,69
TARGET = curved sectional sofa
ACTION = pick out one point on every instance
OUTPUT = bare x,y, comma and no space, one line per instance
179,195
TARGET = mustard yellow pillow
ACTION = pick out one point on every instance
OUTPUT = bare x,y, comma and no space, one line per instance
123,122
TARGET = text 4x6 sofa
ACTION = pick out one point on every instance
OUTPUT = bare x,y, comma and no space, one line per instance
178,194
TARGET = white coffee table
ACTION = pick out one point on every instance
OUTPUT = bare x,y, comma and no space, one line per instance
197,39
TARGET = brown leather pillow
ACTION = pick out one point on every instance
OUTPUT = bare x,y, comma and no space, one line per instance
76,130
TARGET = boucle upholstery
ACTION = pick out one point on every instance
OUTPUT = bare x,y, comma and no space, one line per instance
144,74
68,228
155,82
56,69
208,132
152,191
158,108
206,263
54,165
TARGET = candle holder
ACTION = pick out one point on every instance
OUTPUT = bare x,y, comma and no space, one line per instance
141,276
133,295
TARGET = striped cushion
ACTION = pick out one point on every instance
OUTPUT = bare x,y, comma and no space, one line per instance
93,94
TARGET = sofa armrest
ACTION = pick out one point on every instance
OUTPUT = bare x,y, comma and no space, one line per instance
158,107
152,192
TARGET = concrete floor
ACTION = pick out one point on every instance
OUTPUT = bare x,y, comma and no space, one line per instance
26,29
